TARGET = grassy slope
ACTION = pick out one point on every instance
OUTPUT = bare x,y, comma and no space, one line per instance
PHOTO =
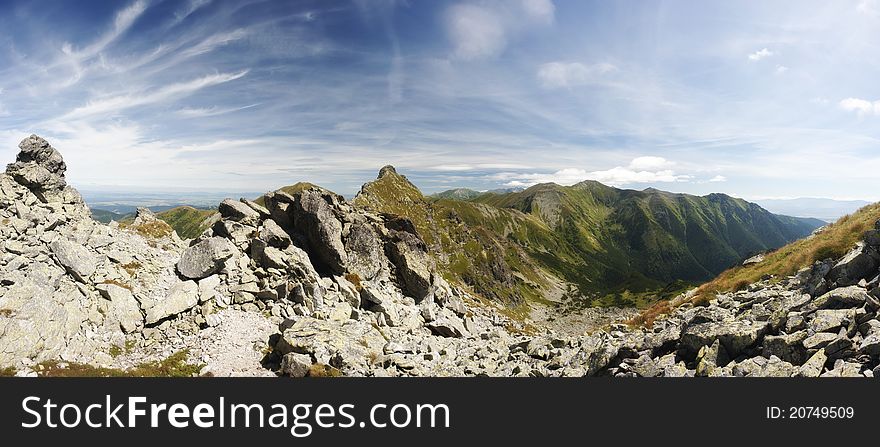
831,242
651,236
457,194
105,216
187,221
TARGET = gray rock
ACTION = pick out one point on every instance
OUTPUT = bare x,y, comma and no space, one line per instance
735,335
841,347
181,297
829,320
38,166
776,367
124,307
871,345
205,258
819,340
710,358
75,258
858,264
813,367
645,366
446,324
409,254
274,235
788,347
237,211
260,209
314,217
364,251
850,296
208,288
295,365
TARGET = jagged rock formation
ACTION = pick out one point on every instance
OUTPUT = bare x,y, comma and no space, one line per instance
68,285
303,283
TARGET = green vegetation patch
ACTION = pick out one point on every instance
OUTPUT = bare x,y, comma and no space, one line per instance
174,366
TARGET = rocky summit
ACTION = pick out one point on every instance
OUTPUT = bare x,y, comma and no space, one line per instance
303,283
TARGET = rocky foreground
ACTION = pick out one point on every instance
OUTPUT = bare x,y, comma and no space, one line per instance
307,284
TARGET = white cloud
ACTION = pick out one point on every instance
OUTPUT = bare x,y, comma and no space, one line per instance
475,31
640,170
212,42
193,6
481,30
869,7
569,74
540,10
201,112
861,106
124,20
760,54
718,179
649,163
780,69
173,91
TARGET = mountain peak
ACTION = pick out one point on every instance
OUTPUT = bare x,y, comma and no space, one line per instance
387,170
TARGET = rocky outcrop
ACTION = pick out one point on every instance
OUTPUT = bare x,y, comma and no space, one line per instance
329,289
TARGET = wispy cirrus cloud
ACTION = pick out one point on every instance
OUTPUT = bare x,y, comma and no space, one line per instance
115,104
571,74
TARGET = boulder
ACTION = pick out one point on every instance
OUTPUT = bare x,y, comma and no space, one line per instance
295,365
274,235
813,367
860,263
205,258
735,335
447,324
124,307
364,251
237,211
787,347
871,345
819,340
710,358
75,258
409,254
38,166
830,320
180,297
260,209
315,219
850,296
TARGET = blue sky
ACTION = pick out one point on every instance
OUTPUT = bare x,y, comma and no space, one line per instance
756,99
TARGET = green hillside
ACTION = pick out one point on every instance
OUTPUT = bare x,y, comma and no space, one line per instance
187,221
599,239
457,194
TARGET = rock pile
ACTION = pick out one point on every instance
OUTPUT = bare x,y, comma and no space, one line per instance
304,283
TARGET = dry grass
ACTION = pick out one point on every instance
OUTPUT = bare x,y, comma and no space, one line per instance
6,313
156,229
649,315
354,279
173,366
117,283
132,267
832,242
7,372
319,370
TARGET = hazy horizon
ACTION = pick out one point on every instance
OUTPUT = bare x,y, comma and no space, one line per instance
754,100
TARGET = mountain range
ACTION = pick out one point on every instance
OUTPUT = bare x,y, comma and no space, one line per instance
302,282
